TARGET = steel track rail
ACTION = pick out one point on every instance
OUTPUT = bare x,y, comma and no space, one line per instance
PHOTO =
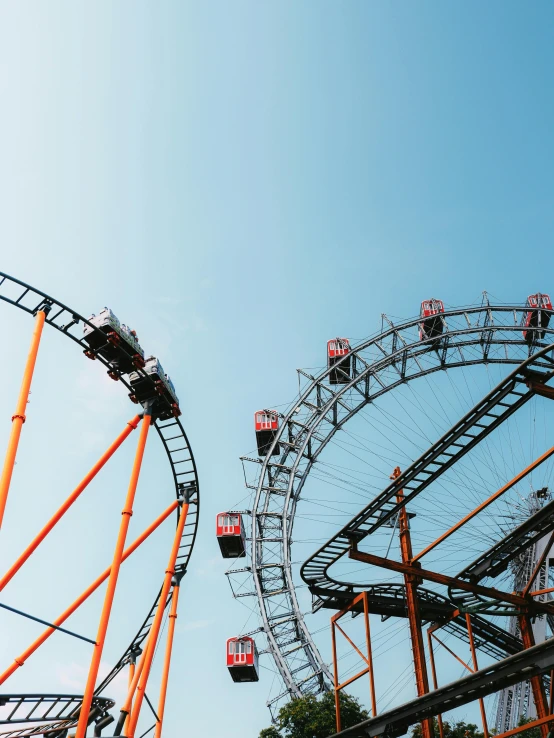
171,433
487,415
472,336
59,711
519,667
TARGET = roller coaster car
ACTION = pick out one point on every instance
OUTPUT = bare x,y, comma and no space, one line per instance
156,387
230,535
432,324
114,342
537,317
242,659
266,423
338,354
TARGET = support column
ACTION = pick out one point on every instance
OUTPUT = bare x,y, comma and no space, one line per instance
537,686
476,668
140,679
411,583
18,418
167,659
112,581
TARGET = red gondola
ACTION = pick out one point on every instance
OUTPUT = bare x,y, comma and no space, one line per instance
537,317
432,325
266,423
230,535
338,355
242,659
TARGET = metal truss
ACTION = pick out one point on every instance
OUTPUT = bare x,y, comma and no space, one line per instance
494,561
170,431
472,336
523,665
59,711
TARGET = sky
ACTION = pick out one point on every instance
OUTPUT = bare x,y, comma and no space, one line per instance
240,181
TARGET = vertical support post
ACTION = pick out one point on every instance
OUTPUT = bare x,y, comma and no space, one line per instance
112,581
551,701
369,656
167,659
154,632
411,583
336,676
434,674
132,668
18,418
537,686
476,668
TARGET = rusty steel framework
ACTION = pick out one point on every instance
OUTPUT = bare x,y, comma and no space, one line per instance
55,715
477,335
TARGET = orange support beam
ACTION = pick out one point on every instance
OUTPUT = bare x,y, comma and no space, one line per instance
537,685
112,581
434,675
35,543
433,576
167,659
411,583
20,660
486,503
476,667
156,625
362,597
18,418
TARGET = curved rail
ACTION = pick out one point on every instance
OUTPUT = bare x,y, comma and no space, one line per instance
60,711
472,336
171,433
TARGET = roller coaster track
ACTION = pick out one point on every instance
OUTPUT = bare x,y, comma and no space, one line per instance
171,433
396,355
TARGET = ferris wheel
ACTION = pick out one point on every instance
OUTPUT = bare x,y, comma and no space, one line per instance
156,410
436,428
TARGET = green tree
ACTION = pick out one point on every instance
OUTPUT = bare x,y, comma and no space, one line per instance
309,717
459,729
270,732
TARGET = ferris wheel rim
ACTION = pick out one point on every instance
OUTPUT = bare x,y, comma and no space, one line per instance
192,483
484,335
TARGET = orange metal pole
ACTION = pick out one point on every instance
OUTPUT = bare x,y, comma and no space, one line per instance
451,652
86,594
369,656
551,700
167,660
112,581
19,416
132,669
476,668
541,592
411,583
537,685
35,543
156,625
486,503
335,676
539,564
435,682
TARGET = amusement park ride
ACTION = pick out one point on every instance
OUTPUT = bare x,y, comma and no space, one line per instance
112,344
496,602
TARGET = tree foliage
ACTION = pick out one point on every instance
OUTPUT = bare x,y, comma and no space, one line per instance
310,717
459,729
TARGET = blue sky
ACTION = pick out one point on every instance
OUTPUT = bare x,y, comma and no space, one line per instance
242,181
